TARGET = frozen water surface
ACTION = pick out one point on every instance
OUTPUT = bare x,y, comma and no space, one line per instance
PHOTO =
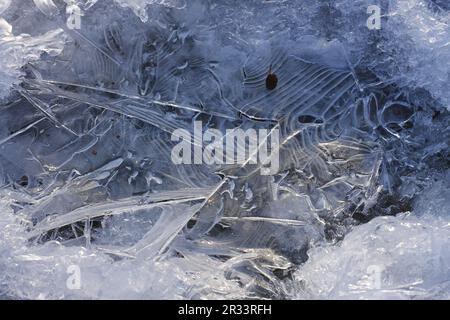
358,208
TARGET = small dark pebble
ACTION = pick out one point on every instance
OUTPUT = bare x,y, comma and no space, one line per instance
271,81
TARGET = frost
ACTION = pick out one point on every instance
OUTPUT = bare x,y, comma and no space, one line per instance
357,209
388,258
427,64
16,51
139,7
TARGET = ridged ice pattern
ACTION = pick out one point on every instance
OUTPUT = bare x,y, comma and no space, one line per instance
87,165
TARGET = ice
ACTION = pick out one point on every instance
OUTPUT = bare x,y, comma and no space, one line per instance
139,7
388,258
423,46
427,64
403,257
16,51
358,208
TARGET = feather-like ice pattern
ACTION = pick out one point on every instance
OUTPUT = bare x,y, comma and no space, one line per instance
86,175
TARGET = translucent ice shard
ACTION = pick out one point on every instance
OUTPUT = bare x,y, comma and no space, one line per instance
87,146
16,51
139,7
47,7
388,258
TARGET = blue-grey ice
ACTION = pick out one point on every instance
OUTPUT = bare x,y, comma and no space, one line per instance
93,206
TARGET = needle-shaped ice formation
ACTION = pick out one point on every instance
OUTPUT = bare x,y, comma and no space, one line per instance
87,176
